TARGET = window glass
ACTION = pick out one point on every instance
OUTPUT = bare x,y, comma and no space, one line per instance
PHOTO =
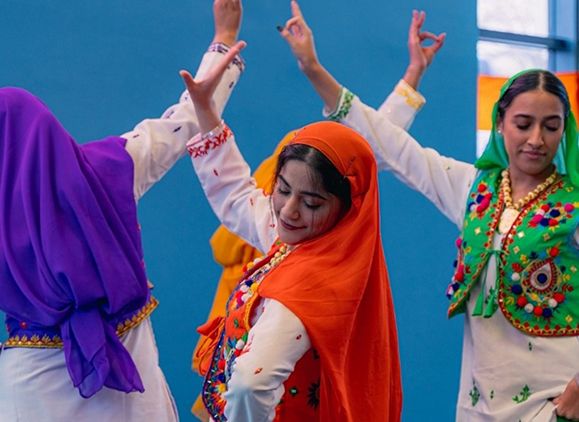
500,59
528,17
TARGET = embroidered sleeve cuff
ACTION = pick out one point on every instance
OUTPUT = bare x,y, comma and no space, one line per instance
222,48
201,144
343,107
412,97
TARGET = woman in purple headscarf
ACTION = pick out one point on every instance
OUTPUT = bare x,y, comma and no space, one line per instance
72,278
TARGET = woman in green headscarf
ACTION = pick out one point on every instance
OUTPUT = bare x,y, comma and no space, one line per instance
517,272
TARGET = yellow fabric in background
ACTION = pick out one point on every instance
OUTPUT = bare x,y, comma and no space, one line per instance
490,86
232,253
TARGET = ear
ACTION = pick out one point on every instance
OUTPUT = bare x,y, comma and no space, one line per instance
500,125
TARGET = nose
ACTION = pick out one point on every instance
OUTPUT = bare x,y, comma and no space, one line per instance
536,137
290,210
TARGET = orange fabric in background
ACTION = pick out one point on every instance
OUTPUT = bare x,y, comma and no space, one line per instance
232,253
490,86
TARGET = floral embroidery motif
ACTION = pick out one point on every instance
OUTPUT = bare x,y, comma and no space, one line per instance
209,141
552,214
344,108
523,395
474,394
409,95
222,48
314,394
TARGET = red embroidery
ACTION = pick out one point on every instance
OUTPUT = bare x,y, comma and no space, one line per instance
258,370
215,172
203,146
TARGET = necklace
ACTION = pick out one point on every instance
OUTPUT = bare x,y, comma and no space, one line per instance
512,210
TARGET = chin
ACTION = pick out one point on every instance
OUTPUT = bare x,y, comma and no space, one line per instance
289,240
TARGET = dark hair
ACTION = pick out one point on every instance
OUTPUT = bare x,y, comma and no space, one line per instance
535,79
323,171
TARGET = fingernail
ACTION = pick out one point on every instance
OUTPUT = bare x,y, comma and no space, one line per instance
279,28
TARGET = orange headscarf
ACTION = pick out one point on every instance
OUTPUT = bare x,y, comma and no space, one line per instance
337,285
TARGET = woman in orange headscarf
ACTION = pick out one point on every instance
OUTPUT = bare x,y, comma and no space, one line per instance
309,333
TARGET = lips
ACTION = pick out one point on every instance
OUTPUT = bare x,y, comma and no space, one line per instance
534,154
288,226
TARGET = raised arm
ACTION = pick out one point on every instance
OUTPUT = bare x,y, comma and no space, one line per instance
300,38
224,175
441,179
156,144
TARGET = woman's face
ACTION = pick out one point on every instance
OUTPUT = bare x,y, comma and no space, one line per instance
304,210
532,128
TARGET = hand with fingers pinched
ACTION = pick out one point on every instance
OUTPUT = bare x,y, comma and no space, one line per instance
201,91
420,55
300,38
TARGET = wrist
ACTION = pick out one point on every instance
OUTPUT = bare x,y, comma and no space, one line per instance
413,75
229,38
312,69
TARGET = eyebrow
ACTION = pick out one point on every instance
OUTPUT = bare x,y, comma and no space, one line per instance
528,116
303,192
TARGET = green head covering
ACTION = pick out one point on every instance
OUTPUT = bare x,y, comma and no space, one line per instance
566,159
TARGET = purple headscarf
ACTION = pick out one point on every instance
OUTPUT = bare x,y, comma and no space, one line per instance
70,249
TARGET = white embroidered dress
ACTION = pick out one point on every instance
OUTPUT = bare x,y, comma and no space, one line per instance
506,376
245,210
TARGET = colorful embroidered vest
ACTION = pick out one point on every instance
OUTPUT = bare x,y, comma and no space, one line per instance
538,286
301,396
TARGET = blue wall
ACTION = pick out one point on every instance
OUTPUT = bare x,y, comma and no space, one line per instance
103,66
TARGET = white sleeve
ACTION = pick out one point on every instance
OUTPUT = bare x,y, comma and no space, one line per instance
402,105
156,144
231,191
275,344
444,181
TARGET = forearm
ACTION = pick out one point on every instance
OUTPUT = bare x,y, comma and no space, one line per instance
413,75
324,84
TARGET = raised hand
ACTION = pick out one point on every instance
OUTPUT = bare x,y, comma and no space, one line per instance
300,38
420,54
201,91
227,18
